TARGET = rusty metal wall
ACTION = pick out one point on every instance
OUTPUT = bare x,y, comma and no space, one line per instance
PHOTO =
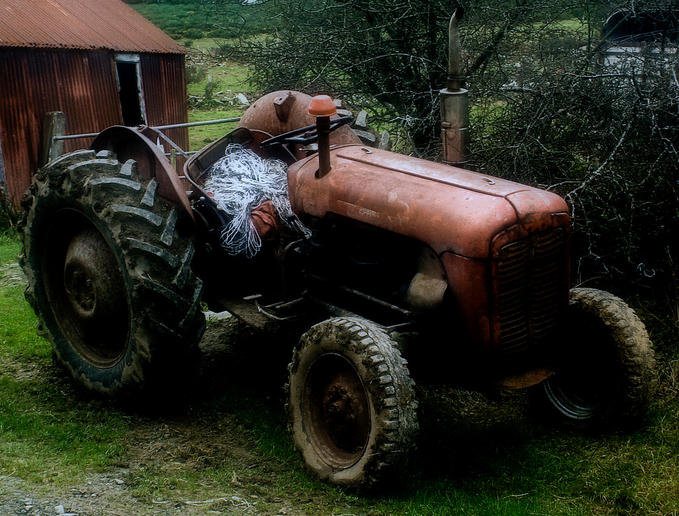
164,84
83,86
34,82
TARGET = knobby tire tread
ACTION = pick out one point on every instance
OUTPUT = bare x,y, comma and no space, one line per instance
168,321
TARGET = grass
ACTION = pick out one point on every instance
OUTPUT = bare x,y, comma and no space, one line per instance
228,77
224,80
202,135
48,435
9,248
194,20
229,446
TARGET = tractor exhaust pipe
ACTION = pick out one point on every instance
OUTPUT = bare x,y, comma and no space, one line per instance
454,102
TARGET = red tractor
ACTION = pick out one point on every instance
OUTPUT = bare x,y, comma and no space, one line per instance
463,274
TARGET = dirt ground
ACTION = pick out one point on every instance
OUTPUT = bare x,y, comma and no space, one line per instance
188,443
153,443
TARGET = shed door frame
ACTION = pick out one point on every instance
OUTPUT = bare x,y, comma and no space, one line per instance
136,112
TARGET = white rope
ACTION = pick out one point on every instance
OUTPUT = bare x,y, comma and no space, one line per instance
241,181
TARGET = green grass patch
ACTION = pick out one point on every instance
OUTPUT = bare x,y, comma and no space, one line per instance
204,134
48,436
18,338
9,248
214,89
227,77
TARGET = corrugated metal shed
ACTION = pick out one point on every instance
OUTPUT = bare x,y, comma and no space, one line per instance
81,24
63,55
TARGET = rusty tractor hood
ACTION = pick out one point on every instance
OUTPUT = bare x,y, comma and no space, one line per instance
448,208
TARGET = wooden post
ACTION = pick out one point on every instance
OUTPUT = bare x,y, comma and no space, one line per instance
54,124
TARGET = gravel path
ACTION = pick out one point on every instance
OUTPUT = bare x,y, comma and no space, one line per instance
11,275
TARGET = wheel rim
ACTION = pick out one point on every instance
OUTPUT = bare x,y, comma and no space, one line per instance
580,389
336,411
586,377
570,400
85,289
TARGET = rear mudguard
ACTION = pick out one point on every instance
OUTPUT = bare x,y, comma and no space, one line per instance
135,143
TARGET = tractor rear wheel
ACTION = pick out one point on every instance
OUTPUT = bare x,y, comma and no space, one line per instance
109,271
605,368
351,403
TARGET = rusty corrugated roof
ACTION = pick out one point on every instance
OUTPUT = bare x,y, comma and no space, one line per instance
81,24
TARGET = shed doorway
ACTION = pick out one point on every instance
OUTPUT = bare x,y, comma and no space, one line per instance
128,75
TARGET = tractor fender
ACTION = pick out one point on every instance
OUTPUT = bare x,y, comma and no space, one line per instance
134,143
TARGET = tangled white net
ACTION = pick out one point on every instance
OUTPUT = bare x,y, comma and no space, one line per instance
241,181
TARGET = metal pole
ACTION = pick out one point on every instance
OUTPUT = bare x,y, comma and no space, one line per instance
156,127
194,124
75,136
323,128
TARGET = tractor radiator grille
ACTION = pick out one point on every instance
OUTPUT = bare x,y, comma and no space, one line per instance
531,289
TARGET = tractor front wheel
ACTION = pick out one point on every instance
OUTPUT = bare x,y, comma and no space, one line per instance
605,365
351,403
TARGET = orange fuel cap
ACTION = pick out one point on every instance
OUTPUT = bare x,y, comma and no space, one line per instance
322,105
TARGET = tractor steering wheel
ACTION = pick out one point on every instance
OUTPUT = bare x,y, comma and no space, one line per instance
304,135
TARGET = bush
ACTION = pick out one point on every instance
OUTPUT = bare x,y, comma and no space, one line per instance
193,19
210,88
195,74
605,137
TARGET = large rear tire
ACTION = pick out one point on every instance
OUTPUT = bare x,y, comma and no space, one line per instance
109,273
351,403
605,368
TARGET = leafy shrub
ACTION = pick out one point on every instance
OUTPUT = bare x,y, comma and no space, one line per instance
195,19
210,89
195,74
606,138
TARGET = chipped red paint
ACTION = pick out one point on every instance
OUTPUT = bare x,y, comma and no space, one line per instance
415,198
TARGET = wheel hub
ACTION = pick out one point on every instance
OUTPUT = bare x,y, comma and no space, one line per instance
337,411
86,290
579,388
343,406
89,285
80,289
